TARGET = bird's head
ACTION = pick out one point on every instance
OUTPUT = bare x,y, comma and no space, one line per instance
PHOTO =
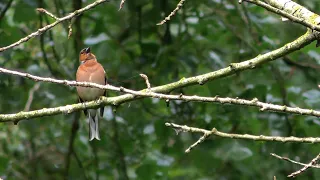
85,55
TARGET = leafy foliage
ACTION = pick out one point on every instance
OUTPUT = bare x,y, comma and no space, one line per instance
204,36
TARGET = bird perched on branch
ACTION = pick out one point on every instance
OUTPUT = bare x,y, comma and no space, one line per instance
91,71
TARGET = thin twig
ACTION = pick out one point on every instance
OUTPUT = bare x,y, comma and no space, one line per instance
121,4
5,9
283,13
60,20
70,29
292,161
312,162
179,6
44,53
200,140
48,13
31,94
214,131
145,77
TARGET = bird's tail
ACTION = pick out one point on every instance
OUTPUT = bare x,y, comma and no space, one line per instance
93,126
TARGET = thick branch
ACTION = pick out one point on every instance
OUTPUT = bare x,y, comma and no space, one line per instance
295,9
58,21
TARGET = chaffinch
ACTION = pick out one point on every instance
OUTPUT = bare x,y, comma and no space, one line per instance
91,71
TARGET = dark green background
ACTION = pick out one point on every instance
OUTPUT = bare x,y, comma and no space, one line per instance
204,36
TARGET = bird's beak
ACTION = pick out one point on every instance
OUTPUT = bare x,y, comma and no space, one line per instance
87,50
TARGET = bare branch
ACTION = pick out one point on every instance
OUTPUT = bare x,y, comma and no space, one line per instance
292,11
179,6
145,77
292,161
70,29
31,94
200,79
58,21
121,4
214,131
5,9
200,140
48,13
313,162
153,93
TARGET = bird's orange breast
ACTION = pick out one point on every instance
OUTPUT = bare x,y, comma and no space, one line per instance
90,72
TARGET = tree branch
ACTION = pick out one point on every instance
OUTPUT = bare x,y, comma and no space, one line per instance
200,79
31,95
58,21
147,93
121,4
292,11
5,9
48,13
74,130
173,13
118,152
292,161
214,131
313,162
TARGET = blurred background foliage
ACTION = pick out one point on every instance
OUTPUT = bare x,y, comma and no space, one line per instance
204,36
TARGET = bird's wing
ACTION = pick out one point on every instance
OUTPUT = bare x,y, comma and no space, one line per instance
85,111
105,94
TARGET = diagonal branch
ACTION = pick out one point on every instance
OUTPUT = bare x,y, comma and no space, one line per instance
58,21
121,4
48,13
292,161
233,68
313,162
173,13
31,95
292,11
5,9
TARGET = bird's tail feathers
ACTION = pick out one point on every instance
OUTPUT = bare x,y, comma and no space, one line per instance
93,126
